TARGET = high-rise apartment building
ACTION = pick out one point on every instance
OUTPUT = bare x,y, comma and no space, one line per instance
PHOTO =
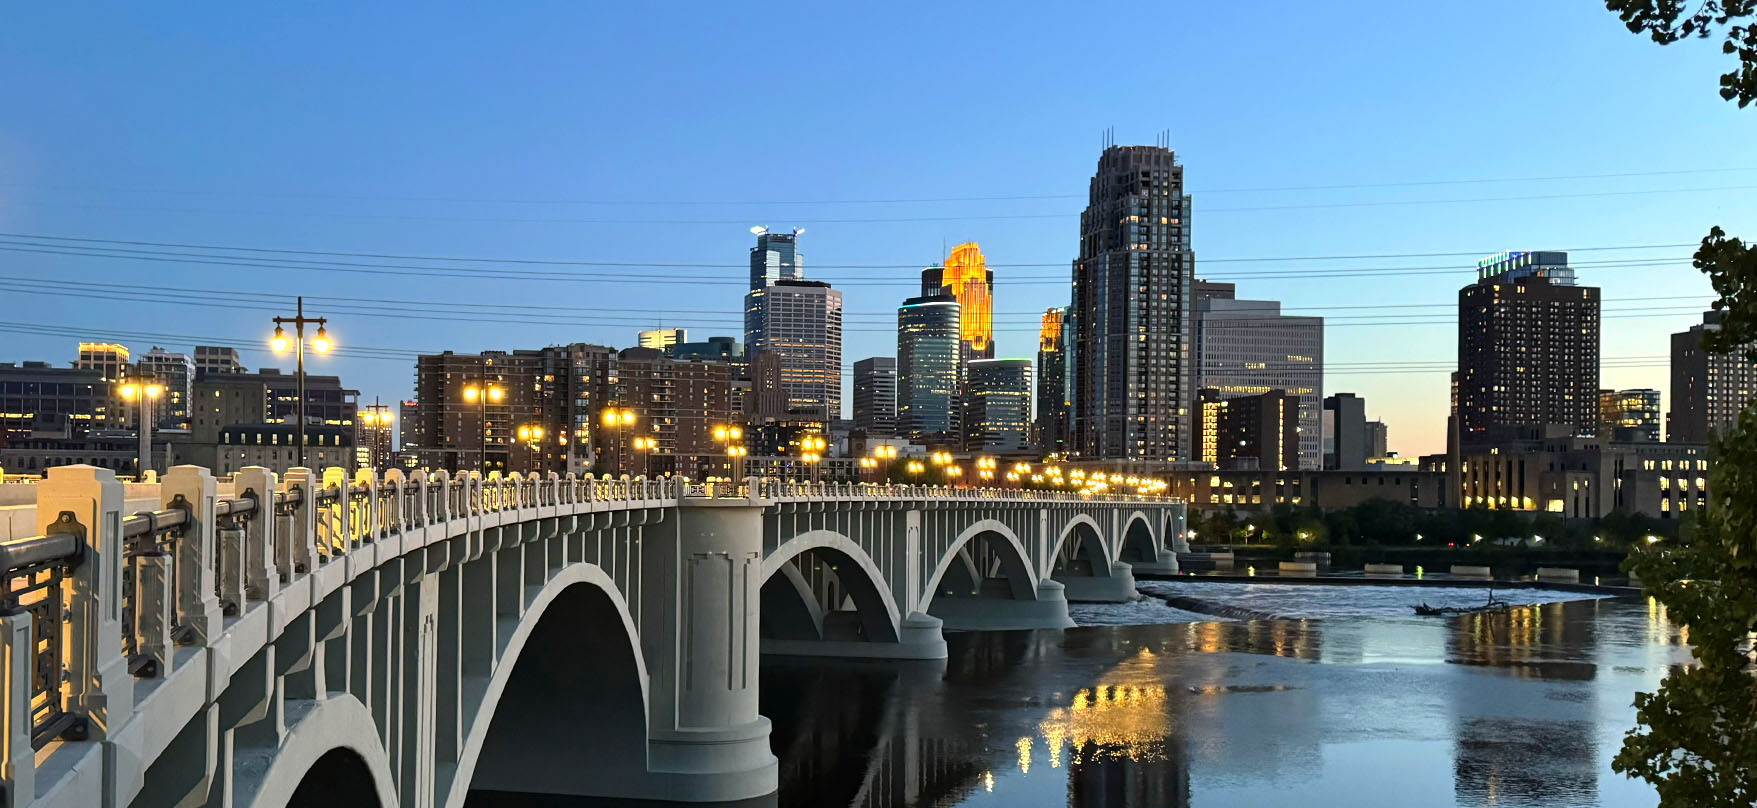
875,395
1708,390
1527,347
928,367
1248,432
176,372
471,406
408,426
109,359
1629,416
1131,307
661,338
997,405
217,359
1052,381
1248,347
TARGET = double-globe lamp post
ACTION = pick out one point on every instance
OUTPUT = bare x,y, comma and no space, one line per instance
319,344
143,391
732,437
481,395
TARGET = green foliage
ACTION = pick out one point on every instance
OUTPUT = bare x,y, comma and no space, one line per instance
1668,21
1696,737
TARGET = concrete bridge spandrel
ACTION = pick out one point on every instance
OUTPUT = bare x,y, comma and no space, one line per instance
410,638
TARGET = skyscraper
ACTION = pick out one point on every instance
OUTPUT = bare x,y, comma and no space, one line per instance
875,395
1527,347
965,276
1132,310
927,367
1248,347
997,405
774,258
1708,390
797,320
1052,387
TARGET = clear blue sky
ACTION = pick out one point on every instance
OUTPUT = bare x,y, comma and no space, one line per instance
470,130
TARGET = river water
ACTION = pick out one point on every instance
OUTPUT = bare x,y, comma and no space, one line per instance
1348,701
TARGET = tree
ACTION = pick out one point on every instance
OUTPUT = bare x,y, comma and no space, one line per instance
1696,738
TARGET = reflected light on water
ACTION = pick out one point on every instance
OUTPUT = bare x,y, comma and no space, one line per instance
1117,721
1024,746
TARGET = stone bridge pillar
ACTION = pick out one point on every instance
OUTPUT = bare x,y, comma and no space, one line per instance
700,627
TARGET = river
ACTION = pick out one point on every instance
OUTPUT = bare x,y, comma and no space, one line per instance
1348,701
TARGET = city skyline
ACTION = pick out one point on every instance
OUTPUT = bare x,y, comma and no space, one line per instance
366,193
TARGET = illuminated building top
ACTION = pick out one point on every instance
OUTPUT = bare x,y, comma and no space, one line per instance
1514,264
967,278
1049,333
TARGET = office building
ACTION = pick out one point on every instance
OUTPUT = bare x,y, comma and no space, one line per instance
875,395
268,396
273,446
1052,381
997,405
775,258
1528,350
68,402
765,400
1248,347
928,368
1708,389
1628,416
661,338
1249,432
107,358
1550,468
1378,438
1131,308
802,327
965,277
176,373
217,359
1346,442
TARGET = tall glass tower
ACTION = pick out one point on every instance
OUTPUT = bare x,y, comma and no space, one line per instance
927,367
1132,393
774,258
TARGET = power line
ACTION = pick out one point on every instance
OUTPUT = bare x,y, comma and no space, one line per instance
884,220
1064,264
881,201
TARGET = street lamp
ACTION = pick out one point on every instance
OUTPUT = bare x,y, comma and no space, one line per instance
732,438
811,449
319,343
144,392
644,445
915,467
619,419
376,418
482,395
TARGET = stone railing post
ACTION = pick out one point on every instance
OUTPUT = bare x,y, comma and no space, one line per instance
198,607
18,766
369,516
419,515
261,577
98,682
296,548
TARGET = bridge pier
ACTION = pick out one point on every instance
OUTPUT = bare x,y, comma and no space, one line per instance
1117,587
994,608
706,741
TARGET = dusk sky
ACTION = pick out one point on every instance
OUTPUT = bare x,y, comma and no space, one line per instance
635,144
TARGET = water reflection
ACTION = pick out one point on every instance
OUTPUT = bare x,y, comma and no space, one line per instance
1517,708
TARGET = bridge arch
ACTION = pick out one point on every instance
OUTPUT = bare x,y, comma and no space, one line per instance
577,634
858,573
1140,543
1089,544
330,730
999,540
